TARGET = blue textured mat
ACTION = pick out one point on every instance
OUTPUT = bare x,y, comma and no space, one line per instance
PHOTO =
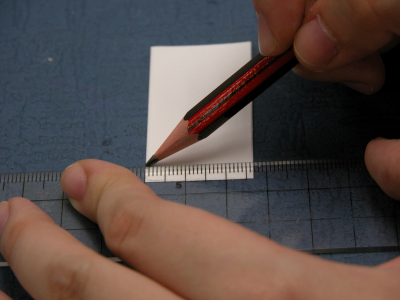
74,83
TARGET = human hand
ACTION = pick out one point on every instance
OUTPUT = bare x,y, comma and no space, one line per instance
178,252
334,40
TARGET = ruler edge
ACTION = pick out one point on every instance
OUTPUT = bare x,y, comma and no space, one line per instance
141,171
256,167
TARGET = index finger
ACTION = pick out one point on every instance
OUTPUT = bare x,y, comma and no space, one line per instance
51,264
196,254
278,22
339,32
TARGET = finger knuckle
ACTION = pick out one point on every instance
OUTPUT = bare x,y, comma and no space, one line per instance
68,278
379,8
125,226
387,14
277,288
14,235
371,12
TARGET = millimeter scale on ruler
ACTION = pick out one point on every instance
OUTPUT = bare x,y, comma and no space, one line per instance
318,206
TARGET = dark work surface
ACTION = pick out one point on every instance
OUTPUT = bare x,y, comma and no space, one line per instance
329,209
74,84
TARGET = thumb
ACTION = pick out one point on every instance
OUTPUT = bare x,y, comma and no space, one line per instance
4,296
338,32
382,158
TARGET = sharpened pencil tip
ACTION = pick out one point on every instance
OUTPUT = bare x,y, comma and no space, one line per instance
153,160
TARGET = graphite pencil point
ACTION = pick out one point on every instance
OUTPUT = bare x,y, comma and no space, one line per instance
153,160
225,101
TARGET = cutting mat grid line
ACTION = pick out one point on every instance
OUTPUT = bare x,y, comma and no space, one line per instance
315,206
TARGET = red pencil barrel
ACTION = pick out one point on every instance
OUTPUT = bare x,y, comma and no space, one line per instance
237,91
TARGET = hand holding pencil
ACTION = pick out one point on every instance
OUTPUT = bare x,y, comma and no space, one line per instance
225,101
334,40
327,50
180,252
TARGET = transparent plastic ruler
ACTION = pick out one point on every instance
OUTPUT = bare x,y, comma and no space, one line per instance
319,206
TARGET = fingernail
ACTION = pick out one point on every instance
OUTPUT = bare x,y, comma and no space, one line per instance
4,212
314,44
266,40
73,182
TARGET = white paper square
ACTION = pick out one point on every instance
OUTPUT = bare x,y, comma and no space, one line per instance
180,77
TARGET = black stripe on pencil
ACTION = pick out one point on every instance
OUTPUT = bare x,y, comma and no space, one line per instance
225,101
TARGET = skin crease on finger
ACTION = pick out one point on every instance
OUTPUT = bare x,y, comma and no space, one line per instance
367,74
355,26
297,276
350,66
248,268
309,277
176,243
51,264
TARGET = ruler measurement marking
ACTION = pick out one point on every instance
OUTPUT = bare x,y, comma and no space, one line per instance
271,170
352,205
310,209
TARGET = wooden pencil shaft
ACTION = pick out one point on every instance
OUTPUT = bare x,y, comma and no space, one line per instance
223,86
237,91
225,101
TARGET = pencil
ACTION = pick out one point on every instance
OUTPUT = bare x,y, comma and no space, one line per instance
225,101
